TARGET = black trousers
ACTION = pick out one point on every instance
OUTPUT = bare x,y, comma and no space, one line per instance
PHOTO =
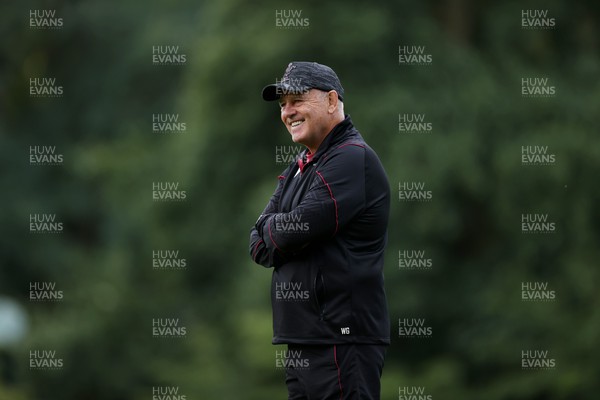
340,372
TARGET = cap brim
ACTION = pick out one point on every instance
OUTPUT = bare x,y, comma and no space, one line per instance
269,93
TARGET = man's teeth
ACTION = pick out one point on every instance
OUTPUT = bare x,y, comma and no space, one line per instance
296,123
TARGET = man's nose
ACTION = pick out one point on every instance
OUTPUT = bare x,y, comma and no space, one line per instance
287,111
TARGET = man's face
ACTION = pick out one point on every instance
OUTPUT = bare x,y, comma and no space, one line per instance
305,116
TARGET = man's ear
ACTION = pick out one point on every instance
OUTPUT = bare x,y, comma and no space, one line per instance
332,98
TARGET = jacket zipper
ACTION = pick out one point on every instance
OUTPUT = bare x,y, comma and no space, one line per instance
321,309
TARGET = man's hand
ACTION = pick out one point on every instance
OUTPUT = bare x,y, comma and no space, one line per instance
260,222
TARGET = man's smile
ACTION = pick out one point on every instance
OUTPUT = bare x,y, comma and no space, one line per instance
296,123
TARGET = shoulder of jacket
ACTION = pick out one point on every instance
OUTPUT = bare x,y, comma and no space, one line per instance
347,148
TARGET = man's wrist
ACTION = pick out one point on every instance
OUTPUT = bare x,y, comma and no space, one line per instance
260,222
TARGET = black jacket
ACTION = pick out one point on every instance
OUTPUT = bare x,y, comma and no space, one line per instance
324,231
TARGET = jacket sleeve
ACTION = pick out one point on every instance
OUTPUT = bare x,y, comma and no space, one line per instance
258,251
336,195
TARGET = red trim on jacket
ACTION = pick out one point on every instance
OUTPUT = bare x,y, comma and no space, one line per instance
256,249
338,371
301,163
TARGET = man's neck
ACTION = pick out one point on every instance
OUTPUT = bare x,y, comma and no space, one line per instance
313,149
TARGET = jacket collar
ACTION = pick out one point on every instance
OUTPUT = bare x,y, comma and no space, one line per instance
338,134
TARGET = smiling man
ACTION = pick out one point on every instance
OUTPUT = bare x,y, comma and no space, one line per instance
324,232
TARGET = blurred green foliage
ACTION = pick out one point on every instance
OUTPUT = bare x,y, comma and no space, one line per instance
226,163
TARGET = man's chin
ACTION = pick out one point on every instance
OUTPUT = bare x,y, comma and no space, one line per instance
296,138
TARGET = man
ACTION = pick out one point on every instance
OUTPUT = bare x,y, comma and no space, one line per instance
324,231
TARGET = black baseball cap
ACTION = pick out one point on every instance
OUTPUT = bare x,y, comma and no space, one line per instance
301,76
